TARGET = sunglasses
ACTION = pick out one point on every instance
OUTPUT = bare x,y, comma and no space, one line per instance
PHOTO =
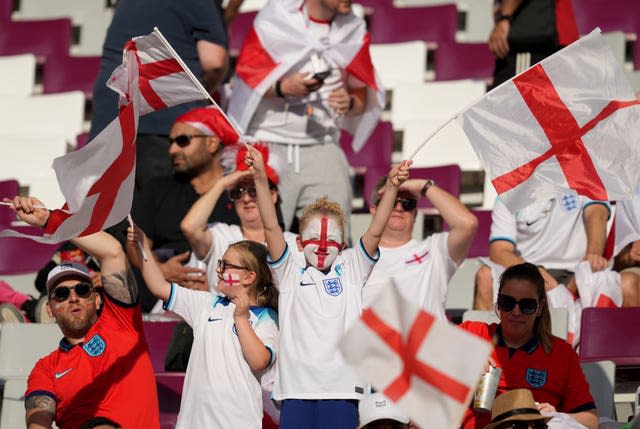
524,425
224,265
183,140
508,303
237,193
407,204
62,293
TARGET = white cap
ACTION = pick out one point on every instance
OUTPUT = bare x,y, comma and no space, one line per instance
67,269
377,407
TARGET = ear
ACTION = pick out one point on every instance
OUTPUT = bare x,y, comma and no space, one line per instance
249,279
98,300
213,144
274,196
372,209
49,311
543,302
299,243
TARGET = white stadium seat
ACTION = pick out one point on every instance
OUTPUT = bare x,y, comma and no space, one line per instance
400,63
17,75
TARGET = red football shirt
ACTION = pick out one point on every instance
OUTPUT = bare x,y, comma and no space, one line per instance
109,375
529,367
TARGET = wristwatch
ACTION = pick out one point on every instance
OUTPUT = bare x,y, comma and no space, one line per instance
500,16
429,183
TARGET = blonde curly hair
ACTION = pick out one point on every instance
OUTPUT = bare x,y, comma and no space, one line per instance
323,206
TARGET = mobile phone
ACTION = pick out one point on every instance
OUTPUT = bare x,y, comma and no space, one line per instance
321,76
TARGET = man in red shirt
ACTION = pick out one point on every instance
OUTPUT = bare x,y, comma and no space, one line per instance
102,367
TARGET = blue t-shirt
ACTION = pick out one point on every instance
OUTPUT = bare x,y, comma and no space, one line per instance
183,23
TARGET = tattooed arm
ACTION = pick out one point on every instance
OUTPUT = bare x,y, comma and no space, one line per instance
40,411
117,277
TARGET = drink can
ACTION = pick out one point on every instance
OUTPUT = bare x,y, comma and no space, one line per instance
486,390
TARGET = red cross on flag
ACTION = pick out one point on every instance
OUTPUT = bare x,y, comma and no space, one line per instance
428,367
97,180
571,121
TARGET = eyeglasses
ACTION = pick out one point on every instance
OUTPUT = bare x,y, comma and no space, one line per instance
407,204
523,425
62,293
237,193
183,140
224,265
508,303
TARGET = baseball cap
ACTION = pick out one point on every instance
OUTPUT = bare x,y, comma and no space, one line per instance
377,407
64,270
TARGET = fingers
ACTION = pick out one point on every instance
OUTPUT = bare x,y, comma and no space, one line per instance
181,257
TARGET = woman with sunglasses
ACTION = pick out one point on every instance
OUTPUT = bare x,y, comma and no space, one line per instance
210,241
529,355
234,335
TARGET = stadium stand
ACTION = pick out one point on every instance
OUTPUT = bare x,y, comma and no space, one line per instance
463,61
8,188
429,24
43,38
158,336
400,63
17,75
376,152
239,29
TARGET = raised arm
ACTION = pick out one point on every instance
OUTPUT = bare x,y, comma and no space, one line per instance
40,411
272,231
398,175
153,276
595,217
194,224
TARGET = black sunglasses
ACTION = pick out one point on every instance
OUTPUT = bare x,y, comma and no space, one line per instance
508,303
407,204
62,293
523,425
223,265
183,140
237,193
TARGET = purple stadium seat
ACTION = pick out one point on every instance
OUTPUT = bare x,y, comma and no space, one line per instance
6,6
169,396
21,255
8,189
43,38
600,13
377,150
158,336
480,244
610,334
404,24
463,61
82,140
239,29
63,73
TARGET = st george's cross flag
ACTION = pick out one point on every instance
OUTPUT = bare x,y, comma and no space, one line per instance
97,181
279,39
426,366
568,124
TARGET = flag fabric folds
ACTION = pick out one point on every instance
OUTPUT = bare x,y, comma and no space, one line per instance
279,39
97,181
571,121
428,367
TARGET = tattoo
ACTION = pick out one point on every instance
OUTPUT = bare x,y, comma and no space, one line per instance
121,286
42,402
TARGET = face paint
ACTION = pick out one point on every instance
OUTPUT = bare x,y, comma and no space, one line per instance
322,241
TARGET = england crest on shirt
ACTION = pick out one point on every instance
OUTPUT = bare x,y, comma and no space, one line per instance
95,346
569,202
536,377
333,286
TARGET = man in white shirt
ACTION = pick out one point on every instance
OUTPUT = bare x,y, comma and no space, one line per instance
422,269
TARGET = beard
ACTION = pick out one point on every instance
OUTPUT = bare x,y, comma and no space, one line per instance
76,327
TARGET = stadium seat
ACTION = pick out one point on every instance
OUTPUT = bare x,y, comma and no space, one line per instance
22,255
158,336
463,61
8,189
400,63
480,244
65,73
601,378
42,38
239,29
429,24
82,140
169,397
478,19
634,76
375,153
17,356
12,416
17,75
600,13
597,343
6,7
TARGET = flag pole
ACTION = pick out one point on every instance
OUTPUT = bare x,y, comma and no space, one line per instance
433,133
189,73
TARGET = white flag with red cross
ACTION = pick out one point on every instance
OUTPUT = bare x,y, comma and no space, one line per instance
426,366
571,122
97,181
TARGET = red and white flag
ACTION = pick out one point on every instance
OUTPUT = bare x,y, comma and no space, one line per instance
279,39
97,181
428,367
571,122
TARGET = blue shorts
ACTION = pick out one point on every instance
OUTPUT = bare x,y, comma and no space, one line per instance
319,414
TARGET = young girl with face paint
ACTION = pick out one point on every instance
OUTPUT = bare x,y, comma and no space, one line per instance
234,335
319,299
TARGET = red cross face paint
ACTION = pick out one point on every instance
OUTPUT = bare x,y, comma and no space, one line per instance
229,284
322,241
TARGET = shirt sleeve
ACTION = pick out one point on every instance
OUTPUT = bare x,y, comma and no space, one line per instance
41,381
205,17
283,269
188,303
503,223
363,263
121,315
267,330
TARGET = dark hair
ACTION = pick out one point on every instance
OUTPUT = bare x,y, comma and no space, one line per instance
98,421
254,257
530,273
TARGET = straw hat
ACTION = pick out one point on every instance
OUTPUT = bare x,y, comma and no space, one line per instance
514,405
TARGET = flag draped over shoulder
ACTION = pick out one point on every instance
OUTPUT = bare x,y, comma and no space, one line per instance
97,181
571,121
279,39
428,367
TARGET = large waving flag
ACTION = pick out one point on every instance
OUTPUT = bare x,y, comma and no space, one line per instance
428,367
97,181
571,121
280,38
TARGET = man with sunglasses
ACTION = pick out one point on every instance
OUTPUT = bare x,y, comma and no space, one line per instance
422,267
102,366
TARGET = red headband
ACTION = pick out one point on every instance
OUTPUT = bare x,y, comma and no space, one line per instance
210,121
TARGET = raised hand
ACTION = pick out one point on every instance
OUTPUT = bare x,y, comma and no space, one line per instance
400,173
25,209
242,305
255,162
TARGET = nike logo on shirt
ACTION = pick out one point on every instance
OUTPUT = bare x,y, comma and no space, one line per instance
307,284
211,319
63,373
